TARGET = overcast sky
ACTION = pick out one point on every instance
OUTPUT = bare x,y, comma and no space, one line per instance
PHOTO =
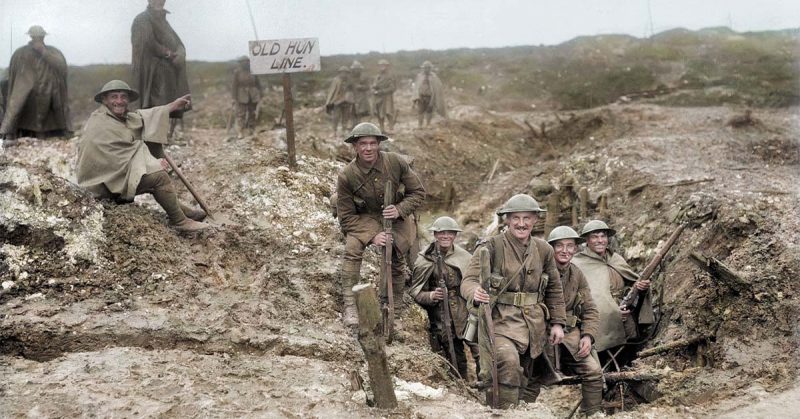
98,31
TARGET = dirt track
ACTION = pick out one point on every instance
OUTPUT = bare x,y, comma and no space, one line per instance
111,313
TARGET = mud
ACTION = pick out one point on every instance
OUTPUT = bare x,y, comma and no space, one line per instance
107,311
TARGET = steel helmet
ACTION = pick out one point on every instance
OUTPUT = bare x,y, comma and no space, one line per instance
115,85
564,232
243,58
344,69
427,64
445,224
520,203
356,66
365,129
383,62
597,225
36,31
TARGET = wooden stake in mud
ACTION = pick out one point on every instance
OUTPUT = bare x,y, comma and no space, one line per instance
583,197
185,181
288,103
553,211
371,340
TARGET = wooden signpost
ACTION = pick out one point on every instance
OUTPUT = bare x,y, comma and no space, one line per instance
285,56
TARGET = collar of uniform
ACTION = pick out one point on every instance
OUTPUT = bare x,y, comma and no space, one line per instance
605,258
377,166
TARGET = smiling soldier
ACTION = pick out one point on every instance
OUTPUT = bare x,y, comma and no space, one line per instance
524,295
114,160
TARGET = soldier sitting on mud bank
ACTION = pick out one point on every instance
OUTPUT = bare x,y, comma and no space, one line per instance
114,155
360,208
428,275
575,352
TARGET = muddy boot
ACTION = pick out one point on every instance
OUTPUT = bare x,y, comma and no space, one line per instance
192,213
508,396
166,197
350,277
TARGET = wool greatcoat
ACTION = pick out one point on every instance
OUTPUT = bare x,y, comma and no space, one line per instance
383,87
608,276
519,329
159,79
112,154
430,94
36,99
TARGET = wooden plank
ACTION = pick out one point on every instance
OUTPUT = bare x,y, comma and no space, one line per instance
370,338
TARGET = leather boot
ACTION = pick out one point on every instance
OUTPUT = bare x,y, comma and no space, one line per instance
177,219
350,277
192,213
508,396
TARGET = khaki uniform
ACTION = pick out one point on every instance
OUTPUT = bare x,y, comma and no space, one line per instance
430,96
359,205
383,87
158,79
339,102
521,312
425,279
582,320
360,91
608,276
246,90
36,101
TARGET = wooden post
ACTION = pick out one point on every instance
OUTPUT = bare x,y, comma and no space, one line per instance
602,205
288,103
371,340
573,205
553,211
720,271
678,344
583,196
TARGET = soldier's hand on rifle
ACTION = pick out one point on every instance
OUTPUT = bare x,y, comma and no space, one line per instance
437,294
164,164
642,285
480,295
391,212
180,103
382,239
556,334
585,346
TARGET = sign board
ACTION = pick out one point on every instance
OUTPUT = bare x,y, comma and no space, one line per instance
284,56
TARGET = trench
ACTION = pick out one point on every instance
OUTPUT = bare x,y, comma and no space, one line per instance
44,346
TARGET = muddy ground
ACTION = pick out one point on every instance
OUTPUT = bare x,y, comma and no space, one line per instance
107,311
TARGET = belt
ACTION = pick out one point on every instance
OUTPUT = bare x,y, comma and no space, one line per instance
572,321
518,299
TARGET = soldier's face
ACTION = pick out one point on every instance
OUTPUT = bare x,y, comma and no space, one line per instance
367,149
597,242
445,239
116,102
382,68
565,249
521,224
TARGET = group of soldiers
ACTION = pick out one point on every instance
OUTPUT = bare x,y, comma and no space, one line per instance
351,97
527,309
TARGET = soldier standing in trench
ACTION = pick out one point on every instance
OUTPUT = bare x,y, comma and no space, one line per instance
36,97
575,352
425,290
359,206
383,87
158,61
608,276
524,295
339,102
430,95
360,91
246,91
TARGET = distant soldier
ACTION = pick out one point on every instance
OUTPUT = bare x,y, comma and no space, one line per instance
339,103
360,208
114,161
36,97
608,275
524,295
383,87
426,291
430,95
159,61
575,352
360,87
246,92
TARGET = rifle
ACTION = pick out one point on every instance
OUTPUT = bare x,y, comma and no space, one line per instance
487,315
631,299
388,310
446,317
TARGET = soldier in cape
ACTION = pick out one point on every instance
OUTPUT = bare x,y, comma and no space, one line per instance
339,102
426,277
36,101
360,91
430,95
246,91
383,87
